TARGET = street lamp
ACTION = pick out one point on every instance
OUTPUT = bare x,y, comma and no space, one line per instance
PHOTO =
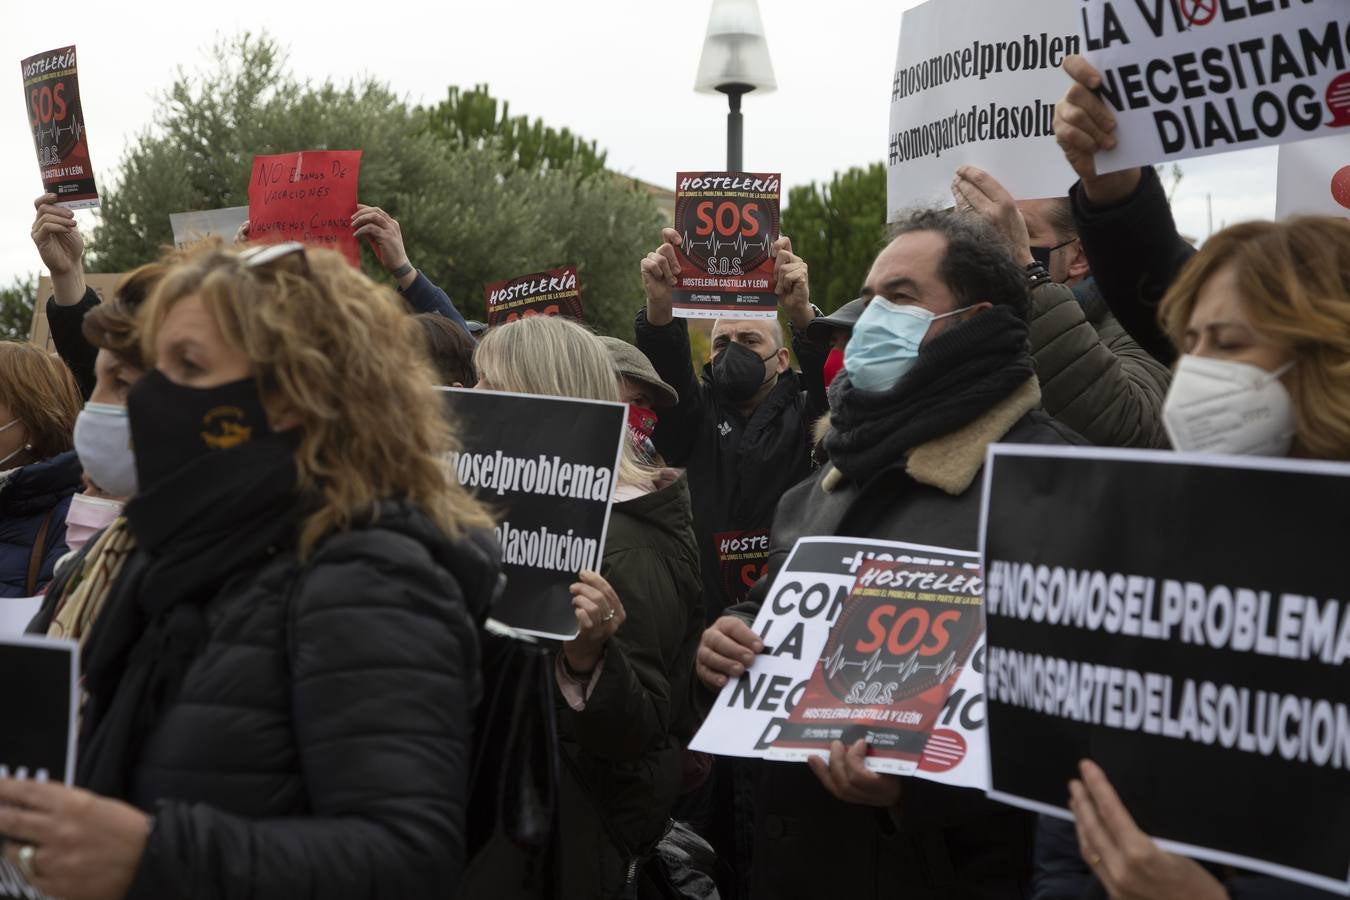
735,61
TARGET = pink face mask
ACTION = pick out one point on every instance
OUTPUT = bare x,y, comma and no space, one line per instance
86,517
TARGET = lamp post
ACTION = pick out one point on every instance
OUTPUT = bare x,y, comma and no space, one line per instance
735,61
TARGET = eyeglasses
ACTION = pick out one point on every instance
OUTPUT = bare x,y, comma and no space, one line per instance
1057,246
260,257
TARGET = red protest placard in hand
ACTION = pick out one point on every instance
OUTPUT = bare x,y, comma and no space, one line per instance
308,196
727,222
553,292
51,91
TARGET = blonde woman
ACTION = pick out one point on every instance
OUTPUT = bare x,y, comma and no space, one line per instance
1261,318
282,682
623,681
39,472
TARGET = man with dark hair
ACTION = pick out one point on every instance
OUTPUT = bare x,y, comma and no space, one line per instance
937,369
1094,376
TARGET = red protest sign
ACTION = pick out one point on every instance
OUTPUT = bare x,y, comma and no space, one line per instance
308,196
51,92
892,658
553,292
727,223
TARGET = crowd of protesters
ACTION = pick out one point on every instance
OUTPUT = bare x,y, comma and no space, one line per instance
230,490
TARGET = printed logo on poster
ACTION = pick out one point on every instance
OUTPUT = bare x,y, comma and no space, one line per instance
553,292
727,222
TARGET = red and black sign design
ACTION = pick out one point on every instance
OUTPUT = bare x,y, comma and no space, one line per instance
553,292
727,222
51,92
742,559
891,660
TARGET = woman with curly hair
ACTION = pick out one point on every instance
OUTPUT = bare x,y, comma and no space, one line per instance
282,682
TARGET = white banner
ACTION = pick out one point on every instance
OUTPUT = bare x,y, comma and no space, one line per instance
794,622
190,227
1314,178
975,83
1194,77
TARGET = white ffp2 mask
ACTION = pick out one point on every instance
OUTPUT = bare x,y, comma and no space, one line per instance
1222,406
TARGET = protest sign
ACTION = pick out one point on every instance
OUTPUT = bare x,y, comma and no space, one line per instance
752,716
553,292
1313,178
17,612
976,83
37,738
1193,77
742,559
38,333
547,468
191,227
308,196
51,91
1182,620
727,222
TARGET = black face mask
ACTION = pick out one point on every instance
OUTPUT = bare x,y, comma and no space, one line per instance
171,425
738,373
1042,256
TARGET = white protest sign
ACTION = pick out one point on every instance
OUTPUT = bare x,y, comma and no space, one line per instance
1193,77
17,612
976,83
794,622
1314,178
190,227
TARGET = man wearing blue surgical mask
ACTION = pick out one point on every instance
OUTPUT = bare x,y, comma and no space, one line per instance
938,368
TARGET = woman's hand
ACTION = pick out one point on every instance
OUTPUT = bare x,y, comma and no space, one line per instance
1126,861
599,614
85,847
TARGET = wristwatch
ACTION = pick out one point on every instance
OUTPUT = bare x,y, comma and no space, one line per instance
801,332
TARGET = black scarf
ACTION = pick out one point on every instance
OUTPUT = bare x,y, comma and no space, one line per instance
958,377
218,517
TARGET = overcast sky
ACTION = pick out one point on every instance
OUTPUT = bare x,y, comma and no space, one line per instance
617,71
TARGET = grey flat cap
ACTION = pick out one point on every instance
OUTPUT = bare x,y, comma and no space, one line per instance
631,363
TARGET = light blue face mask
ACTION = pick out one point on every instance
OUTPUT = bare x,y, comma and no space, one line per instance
885,343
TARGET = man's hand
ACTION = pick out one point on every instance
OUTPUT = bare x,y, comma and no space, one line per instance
660,270
791,283
1127,862
975,190
385,237
61,247
726,650
1085,125
847,777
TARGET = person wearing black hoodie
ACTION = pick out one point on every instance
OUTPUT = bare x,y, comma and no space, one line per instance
282,683
938,368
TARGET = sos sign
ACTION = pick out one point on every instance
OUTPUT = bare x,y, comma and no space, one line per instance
726,235
50,106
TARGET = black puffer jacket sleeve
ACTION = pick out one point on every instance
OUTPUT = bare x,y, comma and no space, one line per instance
383,659
66,326
1135,253
667,348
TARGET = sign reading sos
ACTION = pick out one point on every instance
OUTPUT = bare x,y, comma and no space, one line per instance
550,310
47,104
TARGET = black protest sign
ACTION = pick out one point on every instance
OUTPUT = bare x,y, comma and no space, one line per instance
38,740
727,222
1183,622
547,468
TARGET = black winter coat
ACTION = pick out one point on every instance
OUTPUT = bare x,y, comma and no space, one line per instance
28,495
1135,252
940,842
320,744
622,772
738,468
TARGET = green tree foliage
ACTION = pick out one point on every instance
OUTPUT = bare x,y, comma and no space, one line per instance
838,228
467,119
16,308
470,214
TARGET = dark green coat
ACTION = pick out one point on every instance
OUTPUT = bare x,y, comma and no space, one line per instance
622,753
